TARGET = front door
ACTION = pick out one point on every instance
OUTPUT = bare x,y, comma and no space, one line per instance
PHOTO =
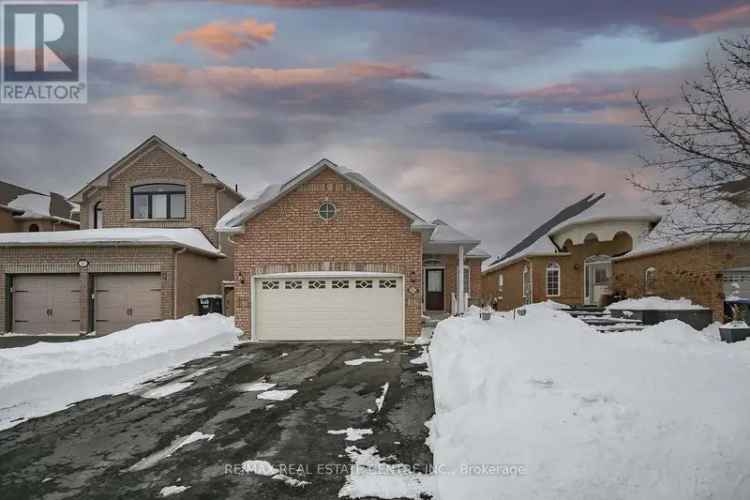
434,299
597,277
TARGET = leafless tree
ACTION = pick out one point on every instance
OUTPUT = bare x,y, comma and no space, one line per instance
703,169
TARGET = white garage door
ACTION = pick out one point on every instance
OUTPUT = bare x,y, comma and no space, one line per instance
331,307
48,303
124,300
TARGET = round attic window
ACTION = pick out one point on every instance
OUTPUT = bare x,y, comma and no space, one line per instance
327,211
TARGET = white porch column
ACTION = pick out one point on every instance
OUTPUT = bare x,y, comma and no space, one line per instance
460,282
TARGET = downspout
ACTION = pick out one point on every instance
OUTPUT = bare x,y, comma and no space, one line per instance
174,285
218,211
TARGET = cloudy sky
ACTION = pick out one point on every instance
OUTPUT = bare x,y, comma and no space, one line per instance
490,115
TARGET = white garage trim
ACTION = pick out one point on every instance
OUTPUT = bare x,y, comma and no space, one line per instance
327,276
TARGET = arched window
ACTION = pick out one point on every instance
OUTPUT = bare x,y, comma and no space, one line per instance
33,228
157,201
553,279
591,238
568,245
98,215
649,280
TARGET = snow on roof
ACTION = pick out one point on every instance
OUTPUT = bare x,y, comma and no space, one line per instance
190,238
678,228
610,209
32,204
479,252
233,220
445,233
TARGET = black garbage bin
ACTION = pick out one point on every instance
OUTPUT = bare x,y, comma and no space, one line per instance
208,304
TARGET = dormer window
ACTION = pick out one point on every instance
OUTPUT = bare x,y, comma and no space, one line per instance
157,201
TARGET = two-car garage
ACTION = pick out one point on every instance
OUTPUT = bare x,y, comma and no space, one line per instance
51,303
328,306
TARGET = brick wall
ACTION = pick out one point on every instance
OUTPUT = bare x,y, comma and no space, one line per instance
7,223
365,235
156,167
198,275
571,273
693,273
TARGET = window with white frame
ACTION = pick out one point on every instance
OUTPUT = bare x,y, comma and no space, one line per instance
293,285
649,280
363,284
316,284
500,281
270,285
553,279
467,280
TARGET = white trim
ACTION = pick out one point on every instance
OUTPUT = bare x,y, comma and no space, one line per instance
527,270
556,265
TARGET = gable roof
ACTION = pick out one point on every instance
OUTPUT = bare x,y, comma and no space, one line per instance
102,180
538,242
234,220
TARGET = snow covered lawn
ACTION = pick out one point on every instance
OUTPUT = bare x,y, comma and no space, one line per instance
46,377
542,407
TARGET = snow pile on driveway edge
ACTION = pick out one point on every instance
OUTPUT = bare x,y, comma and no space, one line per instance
46,377
541,407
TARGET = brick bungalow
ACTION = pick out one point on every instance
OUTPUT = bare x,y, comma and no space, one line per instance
329,256
592,253
146,249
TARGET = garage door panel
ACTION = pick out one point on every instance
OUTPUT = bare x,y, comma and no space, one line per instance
124,300
329,313
46,303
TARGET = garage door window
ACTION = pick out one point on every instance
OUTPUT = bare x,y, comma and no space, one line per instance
364,284
338,284
270,285
293,285
316,284
387,283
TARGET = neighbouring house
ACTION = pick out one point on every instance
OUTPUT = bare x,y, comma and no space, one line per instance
327,255
593,252
24,210
146,249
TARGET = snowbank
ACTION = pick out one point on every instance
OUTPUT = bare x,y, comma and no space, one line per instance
650,303
45,377
541,407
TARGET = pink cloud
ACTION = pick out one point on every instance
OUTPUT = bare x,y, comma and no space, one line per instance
730,17
472,177
223,38
237,79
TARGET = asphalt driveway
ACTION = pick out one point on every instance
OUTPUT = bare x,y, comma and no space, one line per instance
90,450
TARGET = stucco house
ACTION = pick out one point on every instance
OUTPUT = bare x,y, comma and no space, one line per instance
327,255
593,252
146,249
